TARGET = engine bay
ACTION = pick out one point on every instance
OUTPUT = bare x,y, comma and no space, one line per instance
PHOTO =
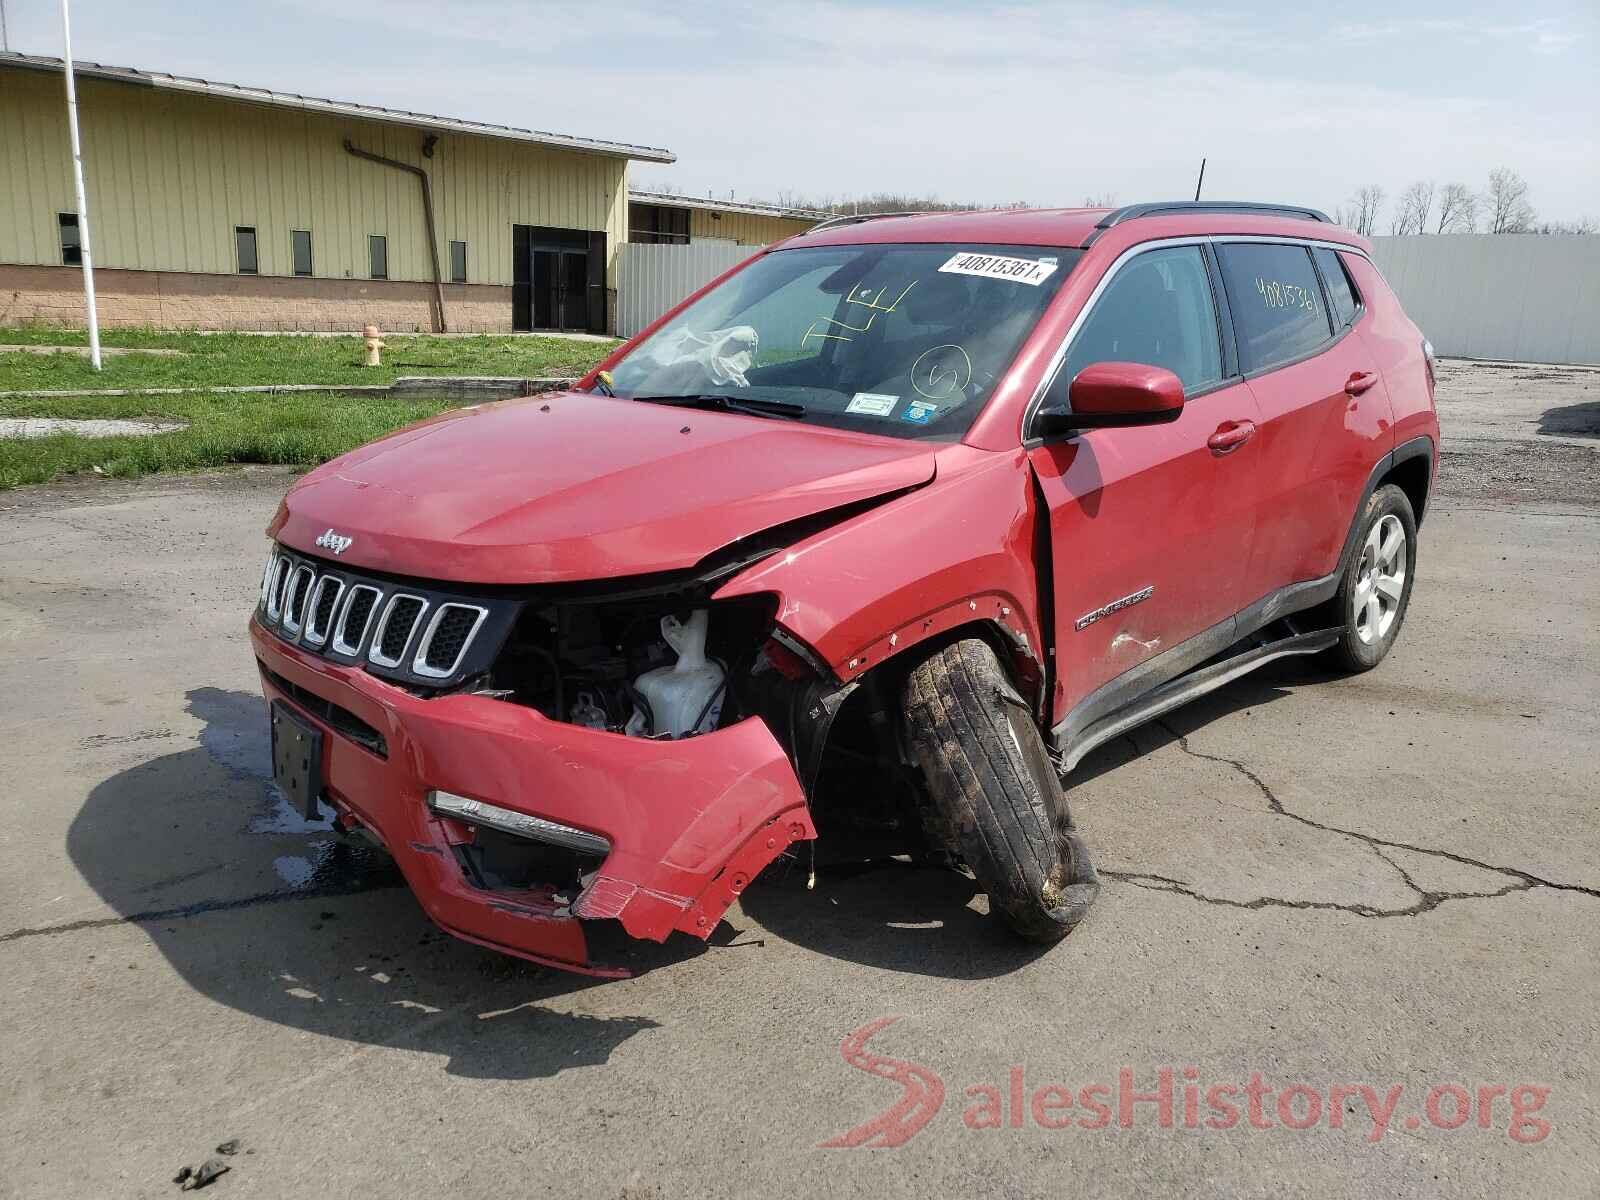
649,666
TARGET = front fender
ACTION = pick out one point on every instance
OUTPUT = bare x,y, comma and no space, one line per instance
960,550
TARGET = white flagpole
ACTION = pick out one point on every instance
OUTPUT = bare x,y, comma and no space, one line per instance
83,200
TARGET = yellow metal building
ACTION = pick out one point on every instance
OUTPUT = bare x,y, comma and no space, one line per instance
220,206
671,217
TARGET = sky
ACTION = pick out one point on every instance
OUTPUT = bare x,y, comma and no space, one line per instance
1045,103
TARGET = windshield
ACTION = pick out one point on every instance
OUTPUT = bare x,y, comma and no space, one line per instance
903,340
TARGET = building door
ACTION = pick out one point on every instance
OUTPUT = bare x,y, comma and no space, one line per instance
558,279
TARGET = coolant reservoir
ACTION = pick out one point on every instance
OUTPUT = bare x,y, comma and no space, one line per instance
687,696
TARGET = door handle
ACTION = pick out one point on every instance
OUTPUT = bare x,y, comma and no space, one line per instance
1360,382
1230,435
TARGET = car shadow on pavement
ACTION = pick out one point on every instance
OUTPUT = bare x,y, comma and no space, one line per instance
925,920
891,914
1260,687
285,920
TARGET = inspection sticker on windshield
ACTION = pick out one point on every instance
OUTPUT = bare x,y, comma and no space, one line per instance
1031,271
872,404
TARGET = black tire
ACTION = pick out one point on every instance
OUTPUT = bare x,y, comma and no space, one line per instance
991,792
1356,651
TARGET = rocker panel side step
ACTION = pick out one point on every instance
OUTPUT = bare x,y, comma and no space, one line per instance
1179,691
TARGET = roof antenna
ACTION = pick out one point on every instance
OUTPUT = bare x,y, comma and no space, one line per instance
1201,180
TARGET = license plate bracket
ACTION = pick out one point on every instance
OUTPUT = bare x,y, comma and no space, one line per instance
297,760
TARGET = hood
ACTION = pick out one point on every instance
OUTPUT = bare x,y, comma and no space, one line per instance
573,486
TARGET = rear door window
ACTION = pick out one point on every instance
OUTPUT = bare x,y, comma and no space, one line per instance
1278,310
1156,310
1341,292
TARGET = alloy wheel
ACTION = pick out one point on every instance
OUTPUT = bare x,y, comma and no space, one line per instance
1380,580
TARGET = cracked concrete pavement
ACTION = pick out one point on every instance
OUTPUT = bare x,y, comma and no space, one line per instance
1424,861
1392,879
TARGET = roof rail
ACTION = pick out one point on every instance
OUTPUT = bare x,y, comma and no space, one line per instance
1130,212
857,218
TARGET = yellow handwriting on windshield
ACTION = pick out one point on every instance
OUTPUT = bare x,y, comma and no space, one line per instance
941,372
865,297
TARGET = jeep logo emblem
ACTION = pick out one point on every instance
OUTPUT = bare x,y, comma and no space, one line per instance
335,542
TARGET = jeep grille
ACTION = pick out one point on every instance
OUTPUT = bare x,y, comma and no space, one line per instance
408,631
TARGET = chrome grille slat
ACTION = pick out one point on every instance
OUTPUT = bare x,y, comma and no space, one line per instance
297,596
381,636
316,633
266,576
280,577
422,663
343,643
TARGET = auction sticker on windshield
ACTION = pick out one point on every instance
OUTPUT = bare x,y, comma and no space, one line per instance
872,404
1031,271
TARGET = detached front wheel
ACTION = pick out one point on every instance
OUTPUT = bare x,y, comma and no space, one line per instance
991,791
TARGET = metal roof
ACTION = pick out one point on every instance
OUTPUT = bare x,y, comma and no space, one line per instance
753,207
343,108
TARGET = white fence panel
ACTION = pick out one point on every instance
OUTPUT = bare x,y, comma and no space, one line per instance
1519,297
651,279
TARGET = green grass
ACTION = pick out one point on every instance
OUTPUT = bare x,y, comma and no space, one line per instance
225,360
301,429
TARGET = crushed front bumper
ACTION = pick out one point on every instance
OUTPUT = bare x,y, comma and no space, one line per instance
690,822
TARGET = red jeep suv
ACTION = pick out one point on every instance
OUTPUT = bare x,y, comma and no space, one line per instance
865,545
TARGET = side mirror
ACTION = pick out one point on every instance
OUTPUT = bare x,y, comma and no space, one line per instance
1111,394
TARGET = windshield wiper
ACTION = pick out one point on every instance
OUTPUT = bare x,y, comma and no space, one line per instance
739,404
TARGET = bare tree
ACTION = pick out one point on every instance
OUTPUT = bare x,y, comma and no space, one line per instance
1411,214
1506,202
1422,203
1103,200
882,202
1581,225
1361,213
1458,209
788,198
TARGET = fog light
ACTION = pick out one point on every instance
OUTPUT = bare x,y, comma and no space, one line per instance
479,812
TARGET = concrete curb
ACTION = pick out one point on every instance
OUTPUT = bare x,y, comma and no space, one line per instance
453,387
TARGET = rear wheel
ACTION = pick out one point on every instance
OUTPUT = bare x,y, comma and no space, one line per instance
991,791
1375,589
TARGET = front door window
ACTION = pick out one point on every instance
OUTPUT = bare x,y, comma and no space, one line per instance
1158,311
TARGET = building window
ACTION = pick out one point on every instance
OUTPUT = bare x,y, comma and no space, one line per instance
458,262
655,224
377,256
71,246
300,250
244,241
